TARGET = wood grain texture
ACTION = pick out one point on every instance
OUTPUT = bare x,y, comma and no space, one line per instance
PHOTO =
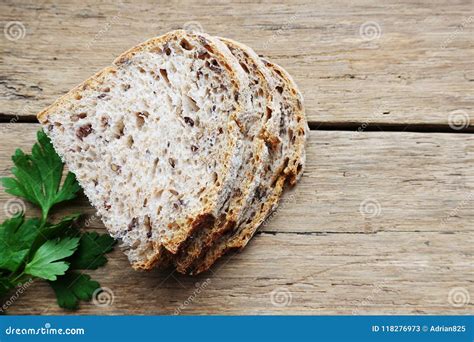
381,223
356,62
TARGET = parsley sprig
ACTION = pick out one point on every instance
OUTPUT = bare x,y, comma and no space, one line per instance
38,248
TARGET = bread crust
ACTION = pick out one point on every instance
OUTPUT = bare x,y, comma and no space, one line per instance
289,174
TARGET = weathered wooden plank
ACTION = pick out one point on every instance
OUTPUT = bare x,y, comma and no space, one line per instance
354,182
359,62
383,273
319,254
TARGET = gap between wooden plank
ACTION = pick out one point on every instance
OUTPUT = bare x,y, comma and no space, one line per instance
325,233
386,127
319,126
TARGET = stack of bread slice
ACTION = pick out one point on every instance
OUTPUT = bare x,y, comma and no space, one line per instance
184,145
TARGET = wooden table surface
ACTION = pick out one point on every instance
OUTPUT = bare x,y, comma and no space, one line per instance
382,221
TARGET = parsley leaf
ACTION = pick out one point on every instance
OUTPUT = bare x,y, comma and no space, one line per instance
64,228
45,263
38,248
72,287
5,286
90,254
38,176
16,238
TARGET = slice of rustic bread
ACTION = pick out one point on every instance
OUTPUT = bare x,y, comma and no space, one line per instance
263,173
154,140
255,155
288,166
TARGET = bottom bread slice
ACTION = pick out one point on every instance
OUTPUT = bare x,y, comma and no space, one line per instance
296,134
